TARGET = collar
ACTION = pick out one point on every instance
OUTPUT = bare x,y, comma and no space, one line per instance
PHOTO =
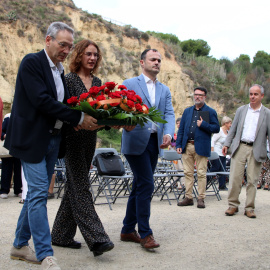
148,79
59,65
258,110
200,108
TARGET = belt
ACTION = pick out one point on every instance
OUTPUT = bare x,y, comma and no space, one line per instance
56,131
247,143
192,142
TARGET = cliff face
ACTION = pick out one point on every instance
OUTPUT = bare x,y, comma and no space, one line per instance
120,55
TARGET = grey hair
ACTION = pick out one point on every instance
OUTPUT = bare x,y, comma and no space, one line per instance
262,89
55,27
225,119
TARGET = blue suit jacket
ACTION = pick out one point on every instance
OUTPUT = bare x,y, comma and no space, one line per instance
202,134
135,141
35,109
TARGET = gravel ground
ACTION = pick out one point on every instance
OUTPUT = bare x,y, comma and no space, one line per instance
190,238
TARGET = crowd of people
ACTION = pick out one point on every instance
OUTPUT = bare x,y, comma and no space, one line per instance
41,126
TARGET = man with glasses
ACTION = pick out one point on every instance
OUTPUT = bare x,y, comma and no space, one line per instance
194,143
34,136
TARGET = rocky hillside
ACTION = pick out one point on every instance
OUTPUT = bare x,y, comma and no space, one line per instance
23,25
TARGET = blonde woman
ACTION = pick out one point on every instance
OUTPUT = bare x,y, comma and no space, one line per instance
217,142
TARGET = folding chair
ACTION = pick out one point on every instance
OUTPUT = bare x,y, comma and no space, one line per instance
110,187
60,179
212,177
173,176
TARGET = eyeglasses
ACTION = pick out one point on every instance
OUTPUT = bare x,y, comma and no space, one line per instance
199,95
64,45
89,54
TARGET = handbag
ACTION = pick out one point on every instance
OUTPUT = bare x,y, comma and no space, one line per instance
109,164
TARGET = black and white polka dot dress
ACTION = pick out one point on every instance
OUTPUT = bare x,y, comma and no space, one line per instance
77,207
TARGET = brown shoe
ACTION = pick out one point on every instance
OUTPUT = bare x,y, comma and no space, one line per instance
130,237
250,214
149,242
266,187
24,253
200,203
186,202
259,186
231,211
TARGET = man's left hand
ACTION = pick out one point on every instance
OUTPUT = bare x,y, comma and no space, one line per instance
166,141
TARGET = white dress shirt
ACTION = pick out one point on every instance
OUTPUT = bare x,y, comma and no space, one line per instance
250,125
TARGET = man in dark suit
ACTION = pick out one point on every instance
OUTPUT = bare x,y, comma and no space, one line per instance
141,147
34,136
247,138
194,142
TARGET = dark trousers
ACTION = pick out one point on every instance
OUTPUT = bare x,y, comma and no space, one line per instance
216,167
11,165
139,202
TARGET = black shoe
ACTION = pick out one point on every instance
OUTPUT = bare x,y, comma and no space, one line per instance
99,248
223,188
74,245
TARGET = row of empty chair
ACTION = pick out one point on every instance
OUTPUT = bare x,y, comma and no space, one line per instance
107,189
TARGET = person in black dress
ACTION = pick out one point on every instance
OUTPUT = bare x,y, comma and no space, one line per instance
77,206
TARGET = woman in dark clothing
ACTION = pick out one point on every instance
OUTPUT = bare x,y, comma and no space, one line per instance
10,166
77,207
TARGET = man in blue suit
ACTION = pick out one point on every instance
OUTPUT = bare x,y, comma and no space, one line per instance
194,142
141,147
34,136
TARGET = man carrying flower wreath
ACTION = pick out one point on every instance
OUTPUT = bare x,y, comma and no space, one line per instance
142,145
34,136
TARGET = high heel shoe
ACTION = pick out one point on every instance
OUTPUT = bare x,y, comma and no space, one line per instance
99,248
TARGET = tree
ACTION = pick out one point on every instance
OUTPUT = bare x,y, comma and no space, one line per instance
262,59
199,47
244,57
227,64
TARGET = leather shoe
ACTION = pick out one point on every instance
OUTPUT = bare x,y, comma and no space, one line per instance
200,203
259,186
99,248
186,202
149,242
231,211
130,237
266,187
74,245
250,214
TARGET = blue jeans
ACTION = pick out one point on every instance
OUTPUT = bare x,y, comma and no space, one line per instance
139,202
33,219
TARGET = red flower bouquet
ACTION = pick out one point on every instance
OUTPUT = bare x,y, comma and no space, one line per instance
115,107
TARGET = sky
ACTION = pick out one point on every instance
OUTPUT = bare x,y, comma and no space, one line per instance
230,27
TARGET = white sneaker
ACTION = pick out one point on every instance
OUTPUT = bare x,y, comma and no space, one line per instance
49,263
3,196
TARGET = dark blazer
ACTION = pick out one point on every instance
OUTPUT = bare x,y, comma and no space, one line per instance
202,140
35,109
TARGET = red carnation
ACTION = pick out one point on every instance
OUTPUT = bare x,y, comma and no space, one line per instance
115,95
122,87
101,97
84,96
110,85
123,92
131,92
102,87
92,103
139,99
131,97
130,104
138,107
94,90
73,101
